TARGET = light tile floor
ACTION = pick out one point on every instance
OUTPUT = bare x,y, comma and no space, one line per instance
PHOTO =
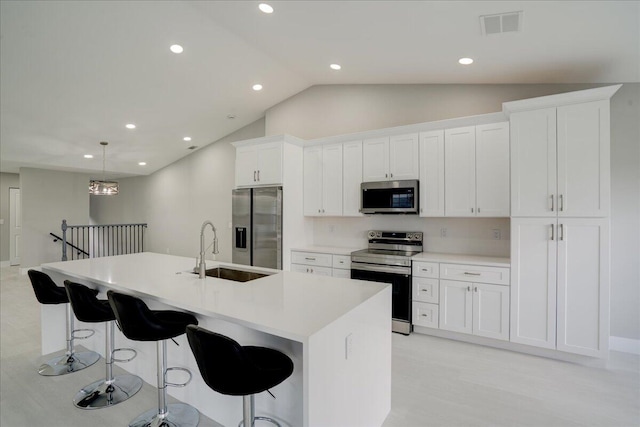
435,382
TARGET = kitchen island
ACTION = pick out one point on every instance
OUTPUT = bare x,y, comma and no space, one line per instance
336,331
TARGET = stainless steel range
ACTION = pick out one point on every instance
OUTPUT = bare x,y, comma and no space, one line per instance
388,260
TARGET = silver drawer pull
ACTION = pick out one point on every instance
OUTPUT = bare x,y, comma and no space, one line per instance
424,290
471,274
310,259
426,269
424,315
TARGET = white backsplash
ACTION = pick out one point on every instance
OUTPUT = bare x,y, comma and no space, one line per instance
473,236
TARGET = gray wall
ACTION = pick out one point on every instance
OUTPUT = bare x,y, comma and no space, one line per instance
7,180
48,197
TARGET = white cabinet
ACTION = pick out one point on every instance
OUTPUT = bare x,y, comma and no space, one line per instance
567,259
351,178
259,164
560,161
477,171
323,180
474,299
390,158
432,173
324,264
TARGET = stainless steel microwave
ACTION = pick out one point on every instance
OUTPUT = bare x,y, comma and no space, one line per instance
389,197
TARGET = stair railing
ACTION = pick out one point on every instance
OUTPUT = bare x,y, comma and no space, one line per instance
93,241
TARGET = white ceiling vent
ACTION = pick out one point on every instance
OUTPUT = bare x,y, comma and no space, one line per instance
501,23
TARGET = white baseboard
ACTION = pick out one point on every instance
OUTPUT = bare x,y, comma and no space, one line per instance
625,345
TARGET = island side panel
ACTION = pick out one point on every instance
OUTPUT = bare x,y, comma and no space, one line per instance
349,367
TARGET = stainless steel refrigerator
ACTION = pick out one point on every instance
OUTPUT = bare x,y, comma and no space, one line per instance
257,227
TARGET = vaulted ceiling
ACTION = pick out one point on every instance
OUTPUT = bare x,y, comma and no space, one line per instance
74,73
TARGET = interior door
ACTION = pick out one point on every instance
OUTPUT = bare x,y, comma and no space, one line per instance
15,226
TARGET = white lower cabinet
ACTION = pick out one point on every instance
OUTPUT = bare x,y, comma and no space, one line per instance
323,264
475,308
425,314
560,297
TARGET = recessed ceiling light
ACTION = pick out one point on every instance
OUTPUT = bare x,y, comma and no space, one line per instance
130,126
465,61
186,138
335,66
266,8
176,48
142,163
88,156
257,87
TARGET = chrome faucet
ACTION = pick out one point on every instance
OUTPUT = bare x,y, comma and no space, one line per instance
202,267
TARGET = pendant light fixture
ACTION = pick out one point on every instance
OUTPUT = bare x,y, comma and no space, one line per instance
104,187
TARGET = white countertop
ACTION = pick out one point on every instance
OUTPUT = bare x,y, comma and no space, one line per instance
287,304
463,259
335,250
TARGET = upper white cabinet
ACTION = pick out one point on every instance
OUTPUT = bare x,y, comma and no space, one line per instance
259,164
390,158
323,180
560,161
351,178
477,171
432,173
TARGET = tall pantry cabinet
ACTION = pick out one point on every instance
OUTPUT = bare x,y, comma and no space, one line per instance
560,203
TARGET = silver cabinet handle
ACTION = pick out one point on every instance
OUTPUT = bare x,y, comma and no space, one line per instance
425,290
552,233
468,288
258,175
478,210
391,175
318,210
310,259
254,176
551,204
386,175
424,315
561,203
426,269
471,210
561,231
475,289
471,274
312,270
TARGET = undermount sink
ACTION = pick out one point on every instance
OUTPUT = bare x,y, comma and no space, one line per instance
232,274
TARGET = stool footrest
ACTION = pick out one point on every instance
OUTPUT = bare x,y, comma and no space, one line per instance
267,419
115,359
89,332
170,384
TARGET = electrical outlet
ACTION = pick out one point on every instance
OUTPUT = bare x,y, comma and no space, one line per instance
497,234
443,232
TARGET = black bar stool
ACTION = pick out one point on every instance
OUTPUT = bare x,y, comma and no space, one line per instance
110,390
47,292
231,369
139,323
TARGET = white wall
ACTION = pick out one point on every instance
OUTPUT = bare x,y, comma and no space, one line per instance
177,199
7,180
331,110
48,197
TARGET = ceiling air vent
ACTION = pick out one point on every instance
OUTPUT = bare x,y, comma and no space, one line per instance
501,23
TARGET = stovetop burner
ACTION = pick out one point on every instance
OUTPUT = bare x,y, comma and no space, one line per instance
389,248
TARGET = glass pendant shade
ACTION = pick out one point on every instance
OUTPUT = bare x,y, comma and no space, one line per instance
104,187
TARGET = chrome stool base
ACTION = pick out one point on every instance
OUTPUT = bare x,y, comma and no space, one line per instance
101,395
68,364
177,415
266,419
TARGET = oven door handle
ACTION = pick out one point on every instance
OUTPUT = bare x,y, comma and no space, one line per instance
382,269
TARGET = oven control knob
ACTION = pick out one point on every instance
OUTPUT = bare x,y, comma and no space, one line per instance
372,234
417,236
378,234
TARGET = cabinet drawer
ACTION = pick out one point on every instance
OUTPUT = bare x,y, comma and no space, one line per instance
342,261
343,274
425,269
425,314
475,273
425,290
311,258
311,269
